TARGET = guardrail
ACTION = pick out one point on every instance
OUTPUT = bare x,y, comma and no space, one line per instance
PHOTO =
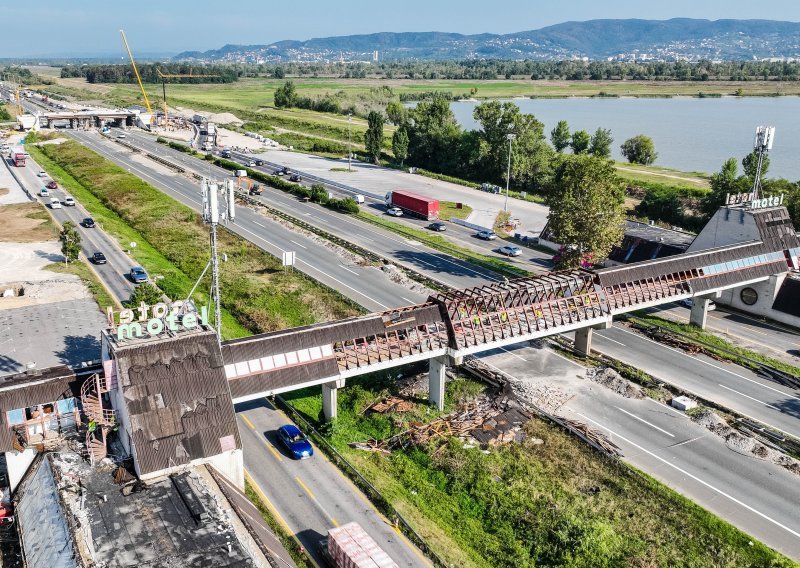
362,483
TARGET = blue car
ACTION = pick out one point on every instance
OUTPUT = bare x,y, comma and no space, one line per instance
295,442
138,275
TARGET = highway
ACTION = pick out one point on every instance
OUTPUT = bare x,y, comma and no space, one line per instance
610,416
727,384
758,497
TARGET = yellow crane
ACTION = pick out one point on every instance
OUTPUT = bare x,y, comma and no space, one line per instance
138,78
165,76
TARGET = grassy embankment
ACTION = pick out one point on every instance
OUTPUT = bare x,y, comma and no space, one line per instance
258,294
554,503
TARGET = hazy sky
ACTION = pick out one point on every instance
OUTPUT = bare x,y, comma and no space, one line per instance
70,27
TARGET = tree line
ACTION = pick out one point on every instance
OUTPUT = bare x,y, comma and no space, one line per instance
149,73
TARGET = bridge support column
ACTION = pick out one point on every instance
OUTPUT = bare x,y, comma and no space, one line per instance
583,338
436,381
699,313
330,399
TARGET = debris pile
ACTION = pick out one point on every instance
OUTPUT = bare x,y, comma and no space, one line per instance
390,404
595,438
673,340
611,379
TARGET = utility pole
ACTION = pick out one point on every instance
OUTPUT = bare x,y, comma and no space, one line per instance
510,137
212,217
765,135
349,152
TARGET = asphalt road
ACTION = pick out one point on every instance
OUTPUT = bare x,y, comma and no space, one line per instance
729,385
756,496
115,272
311,496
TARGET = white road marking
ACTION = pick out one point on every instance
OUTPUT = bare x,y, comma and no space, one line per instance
348,270
751,398
782,393
512,353
686,442
407,300
298,244
612,340
697,479
259,224
645,421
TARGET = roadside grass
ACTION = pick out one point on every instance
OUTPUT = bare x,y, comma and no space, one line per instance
726,349
440,243
554,503
80,269
171,238
449,210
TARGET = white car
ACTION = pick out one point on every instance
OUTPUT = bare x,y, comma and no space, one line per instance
486,235
68,201
44,192
510,250
42,174
55,203
121,135
394,212
689,303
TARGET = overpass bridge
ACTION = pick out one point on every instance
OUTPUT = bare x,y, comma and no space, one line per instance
87,118
453,324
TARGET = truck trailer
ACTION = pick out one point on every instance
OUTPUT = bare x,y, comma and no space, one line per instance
349,546
419,205
18,156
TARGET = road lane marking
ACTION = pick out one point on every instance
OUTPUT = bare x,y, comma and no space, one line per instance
298,244
259,224
782,393
247,421
276,514
265,442
310,494
512,353
686,442
611,340
407,300
348,270
645,421
697,479
750,397
305,488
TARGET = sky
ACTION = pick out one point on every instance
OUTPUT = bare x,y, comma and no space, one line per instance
91,27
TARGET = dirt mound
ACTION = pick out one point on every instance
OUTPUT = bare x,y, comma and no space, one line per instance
610,379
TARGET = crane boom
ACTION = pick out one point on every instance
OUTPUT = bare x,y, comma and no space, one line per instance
136,72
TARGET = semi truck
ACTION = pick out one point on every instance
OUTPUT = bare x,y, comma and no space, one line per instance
419,205
18,156
349,546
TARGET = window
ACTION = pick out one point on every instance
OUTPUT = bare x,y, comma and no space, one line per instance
748,296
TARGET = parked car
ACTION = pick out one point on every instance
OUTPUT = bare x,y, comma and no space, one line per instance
394,212
295,178
438,226
295,442
88,223
99,258
51,185
486,235
138,275
688,302
510,250
68,201
55,203
44,192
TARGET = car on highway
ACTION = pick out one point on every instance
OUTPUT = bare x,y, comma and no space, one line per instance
486,235
510,250
438,226
688,302
44,192
121,135
99,258
51,185
295,178
295,442
251,164
55,203
68,201
259,162
42,174
394,212
281,171
88,223
138,275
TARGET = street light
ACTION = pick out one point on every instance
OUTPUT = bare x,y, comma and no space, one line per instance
349,152
510,137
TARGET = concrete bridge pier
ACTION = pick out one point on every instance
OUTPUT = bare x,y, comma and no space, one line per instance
330,392
583,338
436,378
699,313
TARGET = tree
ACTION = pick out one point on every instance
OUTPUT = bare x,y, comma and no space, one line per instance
373,137
400,145
750,164
397,113
587,214
580,142
278,73
723,182
560,136
600,144
147,293
285,96
433,134
639,150
70,241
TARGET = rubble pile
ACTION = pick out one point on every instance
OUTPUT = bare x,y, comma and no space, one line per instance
611,379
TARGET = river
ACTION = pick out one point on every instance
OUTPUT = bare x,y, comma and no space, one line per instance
690,134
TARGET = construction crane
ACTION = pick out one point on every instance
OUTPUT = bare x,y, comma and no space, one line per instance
165,76
138,78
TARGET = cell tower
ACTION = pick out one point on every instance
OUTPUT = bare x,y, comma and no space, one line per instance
213,217
762,144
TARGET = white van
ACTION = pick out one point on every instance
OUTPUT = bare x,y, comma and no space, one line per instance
358,198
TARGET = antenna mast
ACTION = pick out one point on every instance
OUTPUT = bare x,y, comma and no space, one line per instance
762,144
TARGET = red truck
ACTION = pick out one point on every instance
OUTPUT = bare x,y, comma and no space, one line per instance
425,207
18,156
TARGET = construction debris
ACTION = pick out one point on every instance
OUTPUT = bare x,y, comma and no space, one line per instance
610,379
503,429
390,404
595,438
673,340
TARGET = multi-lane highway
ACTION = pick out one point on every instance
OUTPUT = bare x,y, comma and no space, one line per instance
724,476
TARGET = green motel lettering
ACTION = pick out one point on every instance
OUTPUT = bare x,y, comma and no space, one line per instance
154,320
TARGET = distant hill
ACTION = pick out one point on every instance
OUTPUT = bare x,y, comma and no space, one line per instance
594,39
